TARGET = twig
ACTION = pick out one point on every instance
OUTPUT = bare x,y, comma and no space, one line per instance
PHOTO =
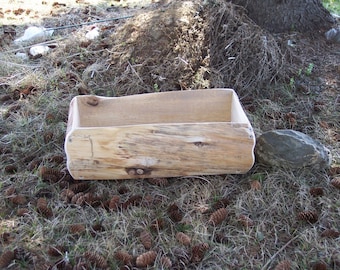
134,71
68,26
19,65
277,252
88,23
37,44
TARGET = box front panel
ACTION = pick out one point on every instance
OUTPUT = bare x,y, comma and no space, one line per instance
160,150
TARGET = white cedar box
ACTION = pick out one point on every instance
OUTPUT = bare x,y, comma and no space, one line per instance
167,134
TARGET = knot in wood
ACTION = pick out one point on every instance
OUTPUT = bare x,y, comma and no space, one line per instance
131,171
139,171
92,101
135,171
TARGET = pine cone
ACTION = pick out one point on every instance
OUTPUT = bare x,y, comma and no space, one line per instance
246,221
330,233
146,259
123,257
6,258
123,190
309,216
66,195
47,173
77,198
56,159
335,182
218,216
146,239
157,224
198,252
183,238
5,237
161,182
79,187
166,262
77,228
334,171
56,251
316,191
221,238
22,212
18,199
11,169
114,203
255,185
82,198
96,259
175,213
97,228
221,203
43,209
283,265
134,200
51,178
10,191
319,266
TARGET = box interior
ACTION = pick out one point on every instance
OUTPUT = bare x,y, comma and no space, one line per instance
192,106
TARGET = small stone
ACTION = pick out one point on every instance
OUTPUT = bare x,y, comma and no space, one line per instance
291,149
333,35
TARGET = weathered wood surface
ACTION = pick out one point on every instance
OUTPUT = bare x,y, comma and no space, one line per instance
166,135
165,107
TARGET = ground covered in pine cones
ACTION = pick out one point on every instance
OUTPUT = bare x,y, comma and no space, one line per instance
269,218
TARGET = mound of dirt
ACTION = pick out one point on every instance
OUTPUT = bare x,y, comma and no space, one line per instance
185,45
161,51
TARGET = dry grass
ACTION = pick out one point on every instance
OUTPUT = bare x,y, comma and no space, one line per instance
275,219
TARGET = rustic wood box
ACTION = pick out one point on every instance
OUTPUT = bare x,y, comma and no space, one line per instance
167,134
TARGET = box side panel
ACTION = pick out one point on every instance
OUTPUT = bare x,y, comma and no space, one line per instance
192,106
73,115
162,150
237,113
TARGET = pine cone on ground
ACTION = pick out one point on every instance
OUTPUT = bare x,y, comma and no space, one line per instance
123,257
43,209
319,266
166,262
146,259
146,239
114,202
198,252
335,182
6,258
77,228
218,216
183,238
96,259
175,213
316,191
330,233
309,216
246,221
283,265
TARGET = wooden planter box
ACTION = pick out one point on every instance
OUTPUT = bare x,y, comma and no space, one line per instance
167,134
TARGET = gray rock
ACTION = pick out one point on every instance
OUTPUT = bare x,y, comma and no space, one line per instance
291,149
333,35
